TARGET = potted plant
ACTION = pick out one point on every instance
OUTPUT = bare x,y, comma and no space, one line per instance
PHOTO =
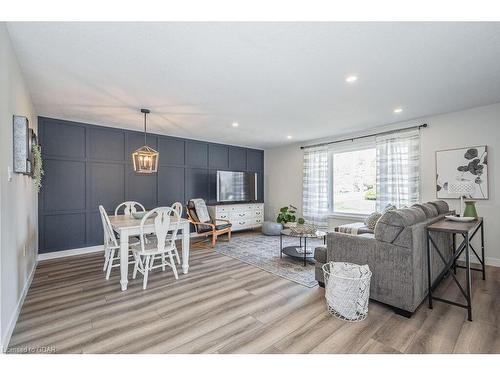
286,216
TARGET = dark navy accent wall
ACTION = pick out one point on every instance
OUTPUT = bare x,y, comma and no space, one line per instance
87,165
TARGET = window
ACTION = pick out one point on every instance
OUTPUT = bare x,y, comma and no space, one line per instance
358,178
354,180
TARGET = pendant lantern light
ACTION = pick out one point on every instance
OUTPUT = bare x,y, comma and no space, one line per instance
145,159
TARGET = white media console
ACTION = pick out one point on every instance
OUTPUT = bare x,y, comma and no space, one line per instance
242,215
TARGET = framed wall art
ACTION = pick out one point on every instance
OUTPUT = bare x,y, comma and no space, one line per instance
462,172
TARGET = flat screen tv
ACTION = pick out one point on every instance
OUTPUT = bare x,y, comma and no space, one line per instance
236,186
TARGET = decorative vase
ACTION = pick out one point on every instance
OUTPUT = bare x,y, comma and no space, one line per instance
470,209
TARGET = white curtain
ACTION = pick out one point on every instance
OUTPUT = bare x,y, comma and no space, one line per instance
398,169
315,186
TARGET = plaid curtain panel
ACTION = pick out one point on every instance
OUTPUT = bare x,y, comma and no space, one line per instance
315,186
398,169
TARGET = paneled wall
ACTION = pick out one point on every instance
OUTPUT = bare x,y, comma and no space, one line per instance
87,165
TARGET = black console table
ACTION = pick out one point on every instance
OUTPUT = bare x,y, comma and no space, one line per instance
467,230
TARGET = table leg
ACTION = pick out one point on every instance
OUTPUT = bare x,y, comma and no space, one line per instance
429,270
281,245
482,250
305,250
185,247
468,279
454,249
124,260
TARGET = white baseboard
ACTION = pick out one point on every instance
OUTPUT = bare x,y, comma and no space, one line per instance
17,311
71,252
495,262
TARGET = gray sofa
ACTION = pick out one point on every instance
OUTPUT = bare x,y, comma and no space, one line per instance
396,254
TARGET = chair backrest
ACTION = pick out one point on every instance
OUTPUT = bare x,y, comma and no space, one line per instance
129,207
165,220
109,233
177,207
193,218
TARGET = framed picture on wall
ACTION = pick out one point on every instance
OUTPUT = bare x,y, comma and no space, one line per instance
462,172
21,145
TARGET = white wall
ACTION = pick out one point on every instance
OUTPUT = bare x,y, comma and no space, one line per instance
18,198
473,127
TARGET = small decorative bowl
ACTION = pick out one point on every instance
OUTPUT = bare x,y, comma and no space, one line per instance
139,215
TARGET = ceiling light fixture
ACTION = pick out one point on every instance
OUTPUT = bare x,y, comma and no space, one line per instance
145,158
288,137
398,110
235,124
351,79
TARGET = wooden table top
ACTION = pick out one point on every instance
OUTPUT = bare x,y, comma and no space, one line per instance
124,221
454,226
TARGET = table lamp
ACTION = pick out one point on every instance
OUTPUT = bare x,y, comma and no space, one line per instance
462,188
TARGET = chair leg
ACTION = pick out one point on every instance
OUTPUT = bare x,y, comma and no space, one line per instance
214,239
106,259
136,265
111,259
146,271
163,262
172,263
229,235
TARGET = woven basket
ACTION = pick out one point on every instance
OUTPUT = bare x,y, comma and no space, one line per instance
347,290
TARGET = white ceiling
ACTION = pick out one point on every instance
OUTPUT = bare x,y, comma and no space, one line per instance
274,79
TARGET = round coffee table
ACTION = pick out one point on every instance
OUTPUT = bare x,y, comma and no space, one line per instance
300,252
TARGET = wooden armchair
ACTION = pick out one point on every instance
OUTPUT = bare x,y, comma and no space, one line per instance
214,227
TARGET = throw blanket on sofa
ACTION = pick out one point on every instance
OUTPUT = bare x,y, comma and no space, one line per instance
350,228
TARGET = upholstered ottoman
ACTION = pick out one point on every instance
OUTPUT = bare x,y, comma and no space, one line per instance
270,228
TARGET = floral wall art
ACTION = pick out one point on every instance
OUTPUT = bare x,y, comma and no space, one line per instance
463,166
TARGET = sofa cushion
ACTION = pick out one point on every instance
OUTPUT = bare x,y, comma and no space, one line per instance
207,228
429,209
403,217
441,206
392,227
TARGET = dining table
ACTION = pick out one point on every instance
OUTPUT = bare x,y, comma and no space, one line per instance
127,226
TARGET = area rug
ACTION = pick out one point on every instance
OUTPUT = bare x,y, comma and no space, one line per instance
263,252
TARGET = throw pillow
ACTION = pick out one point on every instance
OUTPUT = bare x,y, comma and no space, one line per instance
372,219
389,207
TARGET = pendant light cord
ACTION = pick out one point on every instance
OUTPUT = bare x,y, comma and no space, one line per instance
145,142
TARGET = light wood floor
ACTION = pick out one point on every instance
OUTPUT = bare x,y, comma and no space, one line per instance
225,306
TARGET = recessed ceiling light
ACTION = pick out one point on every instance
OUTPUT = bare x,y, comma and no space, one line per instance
398,110
235,124
351,79
288,137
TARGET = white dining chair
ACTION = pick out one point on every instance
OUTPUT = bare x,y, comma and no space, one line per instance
111,244
160,245
177,206
129,207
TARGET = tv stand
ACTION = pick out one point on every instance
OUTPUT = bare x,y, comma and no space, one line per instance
241,215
